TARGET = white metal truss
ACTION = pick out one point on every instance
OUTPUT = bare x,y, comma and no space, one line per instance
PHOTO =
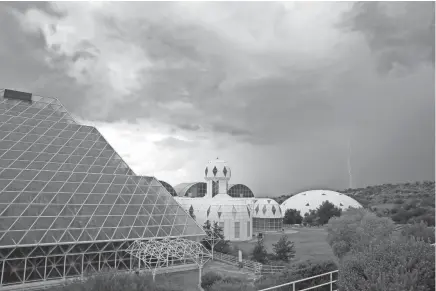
156,253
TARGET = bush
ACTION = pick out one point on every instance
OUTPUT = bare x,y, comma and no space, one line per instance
326,211
355,229
299,271
209,278
420,231
389,264
231,284
259,253
284,249
118,282
292,216
322,214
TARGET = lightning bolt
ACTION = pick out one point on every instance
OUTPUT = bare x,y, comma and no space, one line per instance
350,176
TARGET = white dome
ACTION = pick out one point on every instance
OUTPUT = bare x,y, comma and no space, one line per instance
217,170
308,200
266,208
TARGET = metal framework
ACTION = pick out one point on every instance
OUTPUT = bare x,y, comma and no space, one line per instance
159,253
69,204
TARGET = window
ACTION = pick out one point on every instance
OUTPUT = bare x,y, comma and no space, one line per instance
248,229
237,229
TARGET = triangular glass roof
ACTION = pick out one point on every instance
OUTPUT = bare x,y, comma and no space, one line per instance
62,182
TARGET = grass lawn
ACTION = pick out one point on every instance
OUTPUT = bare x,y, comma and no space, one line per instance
310,243
189,279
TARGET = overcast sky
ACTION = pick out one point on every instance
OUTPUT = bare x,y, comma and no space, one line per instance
277,89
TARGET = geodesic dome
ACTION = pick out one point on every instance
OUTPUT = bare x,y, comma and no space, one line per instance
312,199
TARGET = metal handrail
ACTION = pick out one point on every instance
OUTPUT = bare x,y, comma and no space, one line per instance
331,281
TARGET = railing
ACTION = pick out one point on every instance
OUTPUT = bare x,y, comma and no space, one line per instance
292,285
232,260
270,269
252,266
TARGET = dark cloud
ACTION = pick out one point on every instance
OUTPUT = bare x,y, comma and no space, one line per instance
293,110
397,32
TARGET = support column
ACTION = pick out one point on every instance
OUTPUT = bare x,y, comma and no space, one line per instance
25,270
45,269
83,263
65,267
3,271
199,276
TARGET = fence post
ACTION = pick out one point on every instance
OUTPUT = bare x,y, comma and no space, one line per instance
331,281
293,286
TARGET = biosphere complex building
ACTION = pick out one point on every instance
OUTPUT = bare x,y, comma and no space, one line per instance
233,207
69,204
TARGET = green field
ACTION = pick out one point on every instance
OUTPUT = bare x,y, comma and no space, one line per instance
189,279
310,243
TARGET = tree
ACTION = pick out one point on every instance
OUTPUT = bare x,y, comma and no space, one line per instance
284,249
326,211
389,264
215,237
191,212
259,253
310,217
292,216
355,229
302,270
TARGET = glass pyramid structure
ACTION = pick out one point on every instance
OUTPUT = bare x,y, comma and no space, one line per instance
69,204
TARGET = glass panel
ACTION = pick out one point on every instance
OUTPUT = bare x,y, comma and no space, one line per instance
28,156
44,176
9,174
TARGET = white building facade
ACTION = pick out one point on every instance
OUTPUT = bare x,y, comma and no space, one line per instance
233,215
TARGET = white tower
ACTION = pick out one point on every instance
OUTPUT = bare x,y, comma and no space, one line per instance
217,175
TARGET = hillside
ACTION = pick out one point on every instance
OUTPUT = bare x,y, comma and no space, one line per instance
404,203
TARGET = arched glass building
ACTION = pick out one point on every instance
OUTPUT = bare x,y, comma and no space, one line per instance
240,191
192,190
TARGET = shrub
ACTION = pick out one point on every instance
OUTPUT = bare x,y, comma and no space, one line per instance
259,253
355,229
118,282
389,264
299,271
420,231
292,216
399,201
209,278
231,284
284,249
326,211
228,286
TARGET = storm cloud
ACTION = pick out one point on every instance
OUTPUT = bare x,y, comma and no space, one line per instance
278,89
